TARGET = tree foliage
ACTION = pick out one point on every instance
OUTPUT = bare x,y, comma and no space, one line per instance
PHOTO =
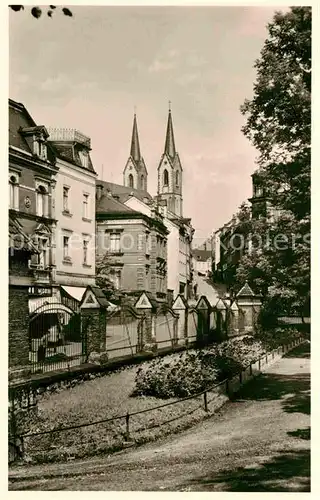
37,11
279,115
278,123
103,275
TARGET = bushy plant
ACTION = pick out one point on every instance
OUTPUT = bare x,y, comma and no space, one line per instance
195,370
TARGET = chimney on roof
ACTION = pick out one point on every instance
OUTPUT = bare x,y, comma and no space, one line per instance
99,191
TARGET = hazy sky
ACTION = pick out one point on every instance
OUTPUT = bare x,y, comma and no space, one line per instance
88,72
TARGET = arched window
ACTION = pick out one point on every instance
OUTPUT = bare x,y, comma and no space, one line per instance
165,177
177,178
13,192
42,201
142,182
131,181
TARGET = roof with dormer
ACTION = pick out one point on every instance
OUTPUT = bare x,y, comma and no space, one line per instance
22,124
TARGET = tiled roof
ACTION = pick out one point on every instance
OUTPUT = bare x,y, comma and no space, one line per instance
20,121
18,118
124,192
201,255
69,152
108,204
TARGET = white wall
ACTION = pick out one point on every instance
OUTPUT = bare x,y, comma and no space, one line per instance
79,182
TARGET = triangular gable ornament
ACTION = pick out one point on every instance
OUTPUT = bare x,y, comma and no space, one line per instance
179,303
220,305
143,302
203,303
89,300
245,291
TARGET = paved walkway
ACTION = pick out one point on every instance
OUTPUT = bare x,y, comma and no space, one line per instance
259,442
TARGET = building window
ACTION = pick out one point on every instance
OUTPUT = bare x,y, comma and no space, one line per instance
142,182
258,191
43,246
85,252
40,148
85,206
66,249
131,184
13,192
42,201
115,242
165,177
177,178
66,199
83,155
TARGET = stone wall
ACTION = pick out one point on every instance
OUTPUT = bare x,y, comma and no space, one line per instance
18,326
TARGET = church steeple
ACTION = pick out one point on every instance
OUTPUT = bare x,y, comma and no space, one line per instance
135,173
170,148
170,174
135,146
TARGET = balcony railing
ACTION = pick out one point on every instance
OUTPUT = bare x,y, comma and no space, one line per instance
42,275
69,134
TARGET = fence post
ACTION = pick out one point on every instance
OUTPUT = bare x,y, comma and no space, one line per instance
266,357
250,369
127,426
205,401
259,366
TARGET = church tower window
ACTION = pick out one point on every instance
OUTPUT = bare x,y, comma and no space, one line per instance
177,178
165,177
142,182
131,183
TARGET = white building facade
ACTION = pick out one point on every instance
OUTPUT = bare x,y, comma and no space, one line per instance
74,212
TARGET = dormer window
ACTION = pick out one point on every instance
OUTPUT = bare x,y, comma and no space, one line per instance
13,191
40,148
83,158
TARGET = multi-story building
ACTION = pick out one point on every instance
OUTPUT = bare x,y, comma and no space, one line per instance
32,179
32,221
75,211
134,242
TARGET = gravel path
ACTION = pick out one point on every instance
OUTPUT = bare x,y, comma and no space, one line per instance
258,442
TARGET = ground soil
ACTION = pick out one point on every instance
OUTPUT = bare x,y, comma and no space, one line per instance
260,441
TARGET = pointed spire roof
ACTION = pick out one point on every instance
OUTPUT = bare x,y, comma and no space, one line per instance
135,146
170,148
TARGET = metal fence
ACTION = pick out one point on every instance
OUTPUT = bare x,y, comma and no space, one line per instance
227,387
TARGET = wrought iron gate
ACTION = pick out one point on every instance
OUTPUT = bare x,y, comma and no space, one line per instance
56,340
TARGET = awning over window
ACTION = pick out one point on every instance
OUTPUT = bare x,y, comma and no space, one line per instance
74,291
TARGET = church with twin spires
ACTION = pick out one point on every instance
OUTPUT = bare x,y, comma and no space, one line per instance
168,272
169,186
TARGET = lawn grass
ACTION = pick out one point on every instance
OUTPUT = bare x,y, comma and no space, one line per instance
106,397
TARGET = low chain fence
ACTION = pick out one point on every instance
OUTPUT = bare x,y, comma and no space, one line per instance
131,427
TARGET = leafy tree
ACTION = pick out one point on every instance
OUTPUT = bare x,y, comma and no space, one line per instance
103,277
278,122
37,11
279,115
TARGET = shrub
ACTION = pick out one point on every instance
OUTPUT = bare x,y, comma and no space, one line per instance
194,371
